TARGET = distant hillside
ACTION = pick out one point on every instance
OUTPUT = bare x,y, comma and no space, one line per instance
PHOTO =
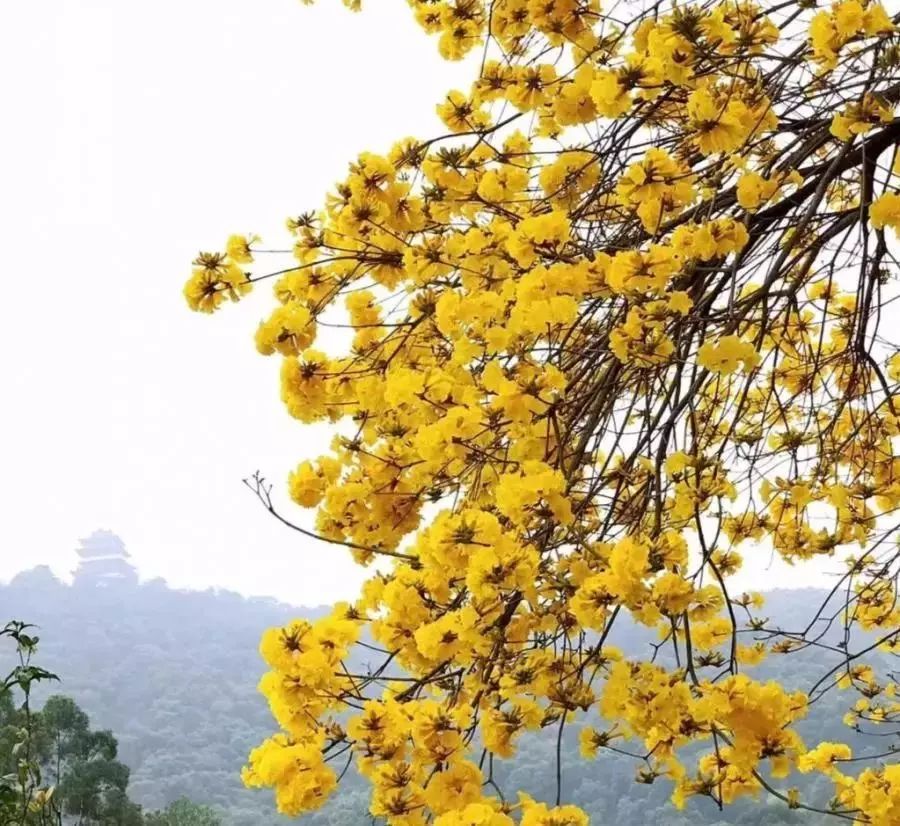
174,673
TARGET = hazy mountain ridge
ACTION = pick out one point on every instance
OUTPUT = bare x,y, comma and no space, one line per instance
174,673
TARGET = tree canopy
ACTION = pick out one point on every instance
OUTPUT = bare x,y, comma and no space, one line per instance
183,812
55,770
621,324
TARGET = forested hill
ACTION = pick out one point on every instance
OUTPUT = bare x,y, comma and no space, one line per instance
173,674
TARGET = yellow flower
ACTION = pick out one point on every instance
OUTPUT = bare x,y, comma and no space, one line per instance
475,814
307,483
461,114
642,272
539,234
456,787
720,127
288,330
823,757
214,279
727,354
502,726
238,248
885,212
610,95
540,814
859,118
753,190
831,30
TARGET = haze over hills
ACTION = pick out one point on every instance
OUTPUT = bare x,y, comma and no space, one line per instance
173,674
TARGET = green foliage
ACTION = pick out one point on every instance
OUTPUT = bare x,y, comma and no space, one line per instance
183,812
92,785
89,784
25,797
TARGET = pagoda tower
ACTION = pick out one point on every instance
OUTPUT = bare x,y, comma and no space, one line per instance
103,561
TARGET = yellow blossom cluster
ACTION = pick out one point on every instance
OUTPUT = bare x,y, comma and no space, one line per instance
583,354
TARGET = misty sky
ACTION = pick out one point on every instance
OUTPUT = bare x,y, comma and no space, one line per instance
136,134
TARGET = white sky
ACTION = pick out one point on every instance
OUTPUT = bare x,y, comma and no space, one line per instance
135,135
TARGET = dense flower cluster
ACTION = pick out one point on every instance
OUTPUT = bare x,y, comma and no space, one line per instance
617,326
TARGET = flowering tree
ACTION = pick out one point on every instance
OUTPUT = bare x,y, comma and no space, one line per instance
621,325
